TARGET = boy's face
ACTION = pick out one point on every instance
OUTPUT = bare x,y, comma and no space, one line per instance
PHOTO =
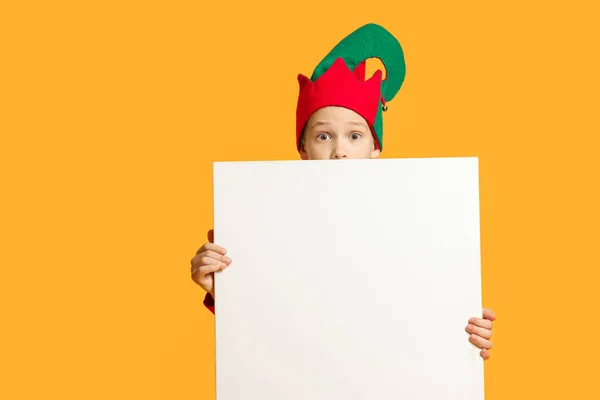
337,133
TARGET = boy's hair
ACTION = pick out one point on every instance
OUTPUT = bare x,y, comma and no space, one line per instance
339,80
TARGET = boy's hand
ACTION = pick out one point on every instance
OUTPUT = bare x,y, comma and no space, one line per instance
208,259
481,332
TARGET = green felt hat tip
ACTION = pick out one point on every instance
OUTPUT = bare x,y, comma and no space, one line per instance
370,41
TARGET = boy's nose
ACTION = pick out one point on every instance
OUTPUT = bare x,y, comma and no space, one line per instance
339,152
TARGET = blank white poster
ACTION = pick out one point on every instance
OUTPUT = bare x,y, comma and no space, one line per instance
350,279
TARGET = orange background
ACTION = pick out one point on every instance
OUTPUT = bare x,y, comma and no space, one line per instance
112,113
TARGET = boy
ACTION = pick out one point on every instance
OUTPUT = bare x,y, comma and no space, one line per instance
339,117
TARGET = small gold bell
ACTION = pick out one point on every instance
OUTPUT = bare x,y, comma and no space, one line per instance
384,108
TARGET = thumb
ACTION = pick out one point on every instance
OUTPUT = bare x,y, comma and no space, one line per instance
211,236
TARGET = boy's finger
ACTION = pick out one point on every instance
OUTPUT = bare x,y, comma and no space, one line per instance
203,260
482,323
484,333
213,247
489,314
207,269
201,249
211,236
485,354
216,256
480,342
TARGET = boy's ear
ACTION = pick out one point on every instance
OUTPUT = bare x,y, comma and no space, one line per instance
375,153
303,154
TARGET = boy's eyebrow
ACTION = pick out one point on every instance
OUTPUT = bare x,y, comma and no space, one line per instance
321,123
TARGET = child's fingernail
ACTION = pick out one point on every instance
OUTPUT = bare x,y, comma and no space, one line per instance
469,327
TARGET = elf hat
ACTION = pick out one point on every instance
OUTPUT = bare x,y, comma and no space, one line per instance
339,79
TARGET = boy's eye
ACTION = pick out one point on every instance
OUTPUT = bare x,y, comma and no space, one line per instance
322,136
355,136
